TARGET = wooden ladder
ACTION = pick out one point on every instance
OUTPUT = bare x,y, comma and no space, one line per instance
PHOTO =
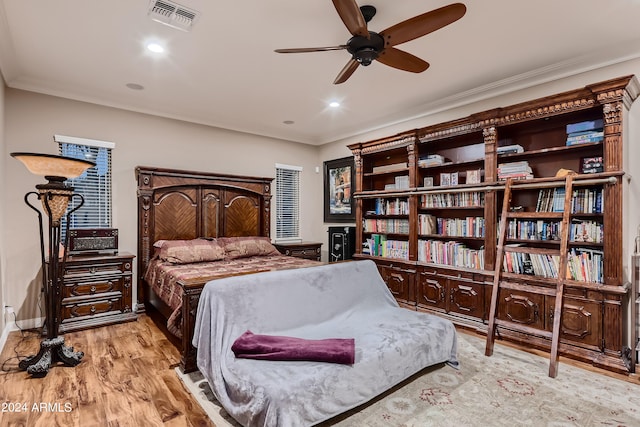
499,283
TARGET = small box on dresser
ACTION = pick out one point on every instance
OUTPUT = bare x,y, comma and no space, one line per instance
96,291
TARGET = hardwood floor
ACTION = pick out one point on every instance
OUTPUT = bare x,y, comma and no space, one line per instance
126,378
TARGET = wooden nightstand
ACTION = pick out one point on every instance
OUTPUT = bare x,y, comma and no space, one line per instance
308,250
96,291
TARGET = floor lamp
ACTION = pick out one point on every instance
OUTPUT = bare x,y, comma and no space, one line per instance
54,196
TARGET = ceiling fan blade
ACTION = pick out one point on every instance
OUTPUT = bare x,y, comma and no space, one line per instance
346,72
352,17
311,49
421,25
402,60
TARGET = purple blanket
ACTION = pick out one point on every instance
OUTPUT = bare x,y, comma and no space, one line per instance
273,347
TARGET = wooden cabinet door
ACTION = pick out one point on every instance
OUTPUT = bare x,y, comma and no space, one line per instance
521,307
431,290
581,321
399,281
466,297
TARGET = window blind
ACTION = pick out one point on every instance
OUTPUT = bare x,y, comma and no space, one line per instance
94,184
287,202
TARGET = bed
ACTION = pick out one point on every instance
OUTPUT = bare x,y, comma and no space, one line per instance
186,206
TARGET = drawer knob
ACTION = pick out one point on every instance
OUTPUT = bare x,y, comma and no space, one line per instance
93,309
92,290
92,270
127,266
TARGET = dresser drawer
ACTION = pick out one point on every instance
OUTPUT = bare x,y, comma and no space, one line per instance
307,250
98,286
73,270
310,253
78,310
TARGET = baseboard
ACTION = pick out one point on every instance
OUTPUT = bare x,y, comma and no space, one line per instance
24,324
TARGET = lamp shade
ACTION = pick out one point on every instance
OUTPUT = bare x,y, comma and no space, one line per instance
50,165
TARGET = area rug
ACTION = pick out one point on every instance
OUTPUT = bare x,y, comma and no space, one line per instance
510,388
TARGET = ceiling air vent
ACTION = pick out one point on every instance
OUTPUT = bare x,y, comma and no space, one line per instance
172,14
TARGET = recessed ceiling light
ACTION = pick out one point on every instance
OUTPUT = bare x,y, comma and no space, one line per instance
134,86
334,104
155,48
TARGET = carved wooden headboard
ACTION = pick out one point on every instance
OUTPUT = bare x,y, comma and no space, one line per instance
176,204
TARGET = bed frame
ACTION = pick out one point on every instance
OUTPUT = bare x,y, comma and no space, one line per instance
177,204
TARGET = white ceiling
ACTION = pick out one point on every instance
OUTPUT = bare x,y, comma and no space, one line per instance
224,72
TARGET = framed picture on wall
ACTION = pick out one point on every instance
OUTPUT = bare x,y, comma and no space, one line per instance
339,183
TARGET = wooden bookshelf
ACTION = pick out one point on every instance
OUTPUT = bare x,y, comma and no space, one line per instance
593,315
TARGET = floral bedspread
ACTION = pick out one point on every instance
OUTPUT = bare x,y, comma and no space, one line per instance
163,277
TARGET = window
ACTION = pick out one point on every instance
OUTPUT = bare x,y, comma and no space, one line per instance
94,184
287,202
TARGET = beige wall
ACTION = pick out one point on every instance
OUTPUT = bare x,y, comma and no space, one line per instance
3,181
32,120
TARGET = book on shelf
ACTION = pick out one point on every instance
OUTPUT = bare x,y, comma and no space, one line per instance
454,178
395,206
592,164
473,176
445,179
387,225
431,160
473,199
401,182
426,224
450,253
391,167
585,137
586,231
585,265
584,126
510,149
587,201
550,200
515,170
428,181
379,245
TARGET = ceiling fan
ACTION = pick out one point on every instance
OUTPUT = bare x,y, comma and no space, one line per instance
366,46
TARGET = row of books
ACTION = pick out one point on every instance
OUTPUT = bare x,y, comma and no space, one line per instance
542,265
587,200
583,265
378,245
461,227
550,200
452,200
586,231
395,226
533,230
397,206
401,182
583,200
450,253
515,170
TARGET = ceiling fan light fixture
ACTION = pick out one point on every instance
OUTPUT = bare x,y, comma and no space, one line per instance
365,55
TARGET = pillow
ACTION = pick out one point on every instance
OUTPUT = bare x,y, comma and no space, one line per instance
188,251
242,247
